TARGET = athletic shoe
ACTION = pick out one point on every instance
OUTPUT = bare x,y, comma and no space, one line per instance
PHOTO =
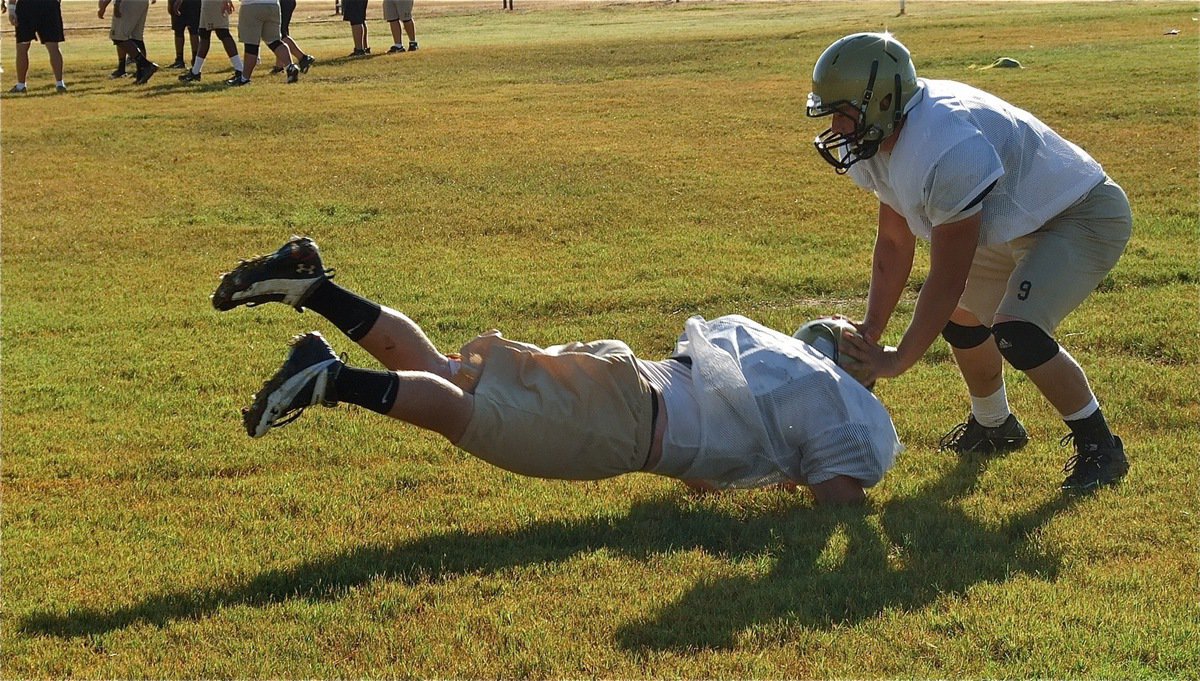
288,276
18,90
190,77
306,61
360,52
293,72
237,80
395,48
278,69
60,89
306,378
412,46
119,73
969,437
177,64
145,72
1093,464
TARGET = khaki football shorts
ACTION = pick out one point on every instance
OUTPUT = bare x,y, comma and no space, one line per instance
212,16
397,10
259,23
572,412
1041,277
131,25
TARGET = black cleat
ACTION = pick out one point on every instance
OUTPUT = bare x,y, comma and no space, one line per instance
1093,464
287,276
306,378
177,64
145,72
394,49
412,46
306,61
970,437
190,77
293,73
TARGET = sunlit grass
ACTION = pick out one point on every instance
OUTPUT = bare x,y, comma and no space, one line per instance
562,172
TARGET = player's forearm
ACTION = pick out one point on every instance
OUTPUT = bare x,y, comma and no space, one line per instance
891,266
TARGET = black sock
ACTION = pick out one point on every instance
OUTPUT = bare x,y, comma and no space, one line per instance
1093,429
375,390
351,313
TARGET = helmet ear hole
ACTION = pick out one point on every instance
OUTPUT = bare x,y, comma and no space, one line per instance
885,103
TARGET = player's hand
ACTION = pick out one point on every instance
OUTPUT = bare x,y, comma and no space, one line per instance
869,360
227,8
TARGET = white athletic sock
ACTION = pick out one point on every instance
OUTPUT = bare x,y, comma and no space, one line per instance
991,411
1091,408
236,60
60,83
198,65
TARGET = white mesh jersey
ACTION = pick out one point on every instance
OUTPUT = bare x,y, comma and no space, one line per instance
955,142
758,407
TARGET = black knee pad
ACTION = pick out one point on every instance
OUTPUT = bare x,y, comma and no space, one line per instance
274,45
1024,345
965,337
252,49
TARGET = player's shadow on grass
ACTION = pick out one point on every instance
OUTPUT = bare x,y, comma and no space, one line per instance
827,566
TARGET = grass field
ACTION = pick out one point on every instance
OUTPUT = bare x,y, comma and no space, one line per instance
565,171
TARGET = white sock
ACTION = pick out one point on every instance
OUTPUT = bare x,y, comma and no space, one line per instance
1089,409
21,85
198,65
60,83
991,411
236,60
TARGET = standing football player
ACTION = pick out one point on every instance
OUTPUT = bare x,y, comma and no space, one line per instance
128,34
214,18
1023,225
41,19
262,21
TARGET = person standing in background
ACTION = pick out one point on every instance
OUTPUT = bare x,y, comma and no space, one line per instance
398,13
41,19
185,16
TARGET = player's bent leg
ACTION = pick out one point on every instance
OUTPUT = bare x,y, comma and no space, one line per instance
981,365
313,374
400,345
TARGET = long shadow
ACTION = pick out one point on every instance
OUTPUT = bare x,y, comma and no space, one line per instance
931,548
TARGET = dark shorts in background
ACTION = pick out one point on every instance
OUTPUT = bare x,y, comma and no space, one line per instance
189,17
354,11
41,19
286,9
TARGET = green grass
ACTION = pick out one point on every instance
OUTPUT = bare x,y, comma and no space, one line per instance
563,172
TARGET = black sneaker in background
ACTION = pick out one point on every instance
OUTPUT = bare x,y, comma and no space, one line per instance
971,437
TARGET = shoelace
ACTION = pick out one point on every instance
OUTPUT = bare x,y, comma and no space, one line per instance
955,435
1080,458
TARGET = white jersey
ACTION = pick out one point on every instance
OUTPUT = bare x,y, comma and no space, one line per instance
956,141
758,407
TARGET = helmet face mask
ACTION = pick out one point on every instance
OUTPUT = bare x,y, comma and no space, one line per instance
868,78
